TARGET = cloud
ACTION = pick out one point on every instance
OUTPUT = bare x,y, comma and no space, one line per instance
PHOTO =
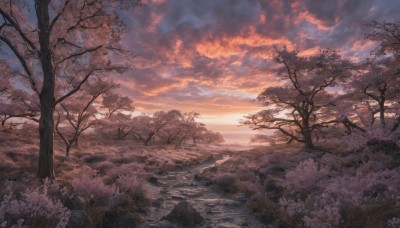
213,56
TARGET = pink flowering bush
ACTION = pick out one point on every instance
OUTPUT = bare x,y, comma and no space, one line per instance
305,176
133,186
89,186
359,140
33,209
394,222
337,193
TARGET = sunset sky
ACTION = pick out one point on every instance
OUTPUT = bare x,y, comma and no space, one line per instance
212,56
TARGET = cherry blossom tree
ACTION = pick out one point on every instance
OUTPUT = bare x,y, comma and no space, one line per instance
79,116
114,102
116,122
261,139
18,104
180,129
210,137
379,90
146,127
15,103
300,105
67,42
387,35
118,125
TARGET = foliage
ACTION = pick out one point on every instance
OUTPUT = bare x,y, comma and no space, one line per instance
91,188
33,209
300,106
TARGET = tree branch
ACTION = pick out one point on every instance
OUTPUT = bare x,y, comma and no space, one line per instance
76,88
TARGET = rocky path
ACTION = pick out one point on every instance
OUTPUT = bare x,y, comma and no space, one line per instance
218,210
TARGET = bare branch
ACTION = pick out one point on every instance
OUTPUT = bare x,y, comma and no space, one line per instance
76,89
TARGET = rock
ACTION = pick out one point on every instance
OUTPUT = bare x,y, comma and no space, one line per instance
180,185
157,203
79,219
153,180
231,203
227,225
171,177
163,224
178,197
178,167
191,193
184,214
122,212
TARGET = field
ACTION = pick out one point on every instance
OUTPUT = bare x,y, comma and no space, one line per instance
113,183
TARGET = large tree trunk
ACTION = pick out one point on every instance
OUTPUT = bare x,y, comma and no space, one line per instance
307,133
308,139
47,101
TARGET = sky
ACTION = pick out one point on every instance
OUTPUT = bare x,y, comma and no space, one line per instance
213,56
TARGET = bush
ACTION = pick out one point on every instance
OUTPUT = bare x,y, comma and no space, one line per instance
133,186
225,181
89,186
305,176
33,209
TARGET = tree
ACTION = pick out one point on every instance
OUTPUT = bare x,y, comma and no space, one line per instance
119,126
15,103
78,115
114,102
5,75
300,105
262,139
387,35
146,127
66,43
18,104
379,90
116,122
210,137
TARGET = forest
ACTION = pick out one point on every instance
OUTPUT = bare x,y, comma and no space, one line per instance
79,150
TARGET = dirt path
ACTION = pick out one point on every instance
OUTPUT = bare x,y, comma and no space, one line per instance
218,210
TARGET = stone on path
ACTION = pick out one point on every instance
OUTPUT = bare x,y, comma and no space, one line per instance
184,214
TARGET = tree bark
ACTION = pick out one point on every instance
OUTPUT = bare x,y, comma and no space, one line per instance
146,143
308,139
382,113
307,133
67,149
47,100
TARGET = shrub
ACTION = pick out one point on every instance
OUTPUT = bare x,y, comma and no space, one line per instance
33,209
249,188
89,186
394,222
305,176
225,181
133,186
